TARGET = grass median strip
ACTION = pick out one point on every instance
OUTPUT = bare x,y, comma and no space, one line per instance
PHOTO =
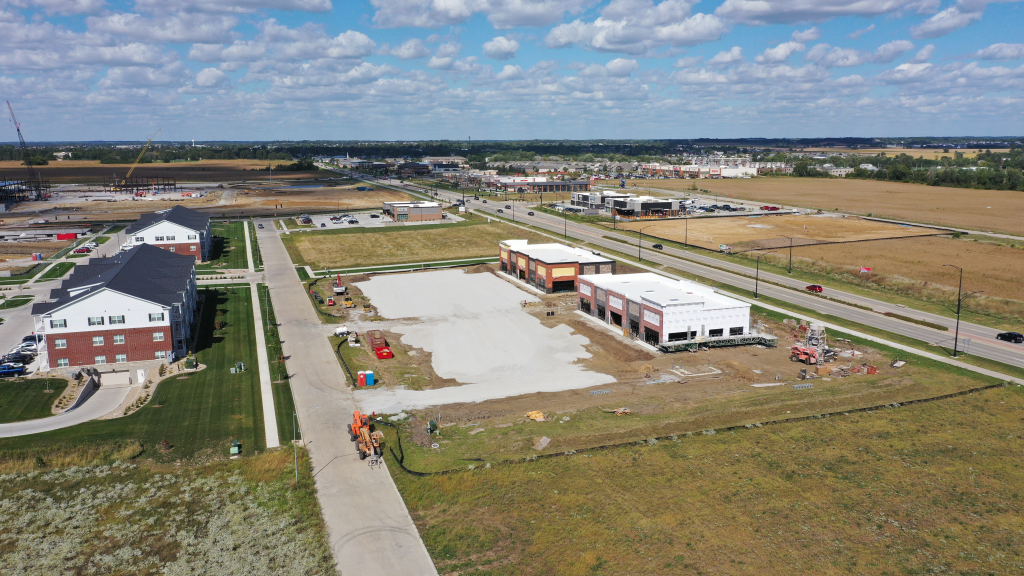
15,302
58,271
284,404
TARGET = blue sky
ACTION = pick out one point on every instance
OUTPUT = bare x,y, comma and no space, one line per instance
511,69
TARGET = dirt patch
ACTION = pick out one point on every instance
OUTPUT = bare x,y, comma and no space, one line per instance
770,232
17,250
92,172
992,210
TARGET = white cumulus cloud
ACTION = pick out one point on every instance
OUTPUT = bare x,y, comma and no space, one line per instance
176,29
924,54
892,50
808,35
501,13
734,54
762,12
232,6
411,49
510,72
501,48
858,33
209,77
1001,51
779,53
637,26
947,21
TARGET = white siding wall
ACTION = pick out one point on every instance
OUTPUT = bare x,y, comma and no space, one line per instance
678,318
105,303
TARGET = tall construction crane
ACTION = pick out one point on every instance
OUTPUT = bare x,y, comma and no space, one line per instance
138,159
33,180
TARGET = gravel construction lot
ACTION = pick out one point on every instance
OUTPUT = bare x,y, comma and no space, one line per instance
92,172
774,231
477,332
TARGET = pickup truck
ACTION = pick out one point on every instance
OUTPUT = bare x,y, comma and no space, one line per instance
11,369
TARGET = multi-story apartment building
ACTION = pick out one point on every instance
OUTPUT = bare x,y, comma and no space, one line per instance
179,230
134,306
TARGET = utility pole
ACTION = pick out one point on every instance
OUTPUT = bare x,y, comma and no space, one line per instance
959,302
639,243
757,274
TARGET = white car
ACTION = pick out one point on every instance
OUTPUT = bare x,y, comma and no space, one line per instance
91,245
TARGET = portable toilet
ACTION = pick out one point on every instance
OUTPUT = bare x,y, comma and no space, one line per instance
361,379
369,377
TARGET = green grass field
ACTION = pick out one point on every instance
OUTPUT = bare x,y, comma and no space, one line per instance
24,276
24,399
355,248
228,248
256,254
15,302
115,229
920,489
284,404
198,413
58,271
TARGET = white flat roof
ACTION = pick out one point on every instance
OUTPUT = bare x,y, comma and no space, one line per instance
416,203
553,253
662,291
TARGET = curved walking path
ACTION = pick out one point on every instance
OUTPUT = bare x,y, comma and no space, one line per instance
102,401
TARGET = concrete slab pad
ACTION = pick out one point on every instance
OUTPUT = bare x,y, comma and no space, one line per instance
478,334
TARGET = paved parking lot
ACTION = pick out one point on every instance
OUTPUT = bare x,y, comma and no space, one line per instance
365,221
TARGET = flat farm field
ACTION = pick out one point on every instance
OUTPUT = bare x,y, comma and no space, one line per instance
92,172
989,210
774,232
399,245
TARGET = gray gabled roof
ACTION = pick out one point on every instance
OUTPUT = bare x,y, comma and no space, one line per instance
146,272
179,215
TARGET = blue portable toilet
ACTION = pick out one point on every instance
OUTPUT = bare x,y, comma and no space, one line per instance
369,377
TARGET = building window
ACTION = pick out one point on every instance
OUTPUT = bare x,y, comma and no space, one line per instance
121,358
96,321
171,248
97,340
117,319
193,237
158,336
118,338
716,332
156,317
140,238
100,360
63,363
192,248
158,239
60,343
161,355
170,238
58,323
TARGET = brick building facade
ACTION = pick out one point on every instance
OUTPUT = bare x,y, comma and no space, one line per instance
550,267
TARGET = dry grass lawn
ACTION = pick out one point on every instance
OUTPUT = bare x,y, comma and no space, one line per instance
989,210
919,489
378,247
745,233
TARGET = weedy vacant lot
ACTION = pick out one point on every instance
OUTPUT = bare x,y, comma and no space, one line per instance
240,517
92,172
354,248
992,210
921,489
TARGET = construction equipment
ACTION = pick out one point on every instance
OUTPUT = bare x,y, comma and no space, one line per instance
368,442
330,300
805,355
338,288
33,184
348,302
136,163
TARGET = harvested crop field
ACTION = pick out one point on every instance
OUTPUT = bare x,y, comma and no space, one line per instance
926,153
766,232
92,172
993,268
990,210
312,197
396,245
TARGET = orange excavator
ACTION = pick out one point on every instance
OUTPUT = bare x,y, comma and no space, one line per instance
368,442
805,355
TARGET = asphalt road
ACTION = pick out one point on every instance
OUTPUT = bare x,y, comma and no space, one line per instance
982,338
371,532
102,401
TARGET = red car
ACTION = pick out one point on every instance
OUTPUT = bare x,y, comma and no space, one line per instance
814,288
82,250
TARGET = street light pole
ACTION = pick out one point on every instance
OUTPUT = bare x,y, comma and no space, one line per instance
757,273
790,255
639,242
959,302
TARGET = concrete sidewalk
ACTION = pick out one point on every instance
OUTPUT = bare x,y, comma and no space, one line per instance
370,530
266,389
101,402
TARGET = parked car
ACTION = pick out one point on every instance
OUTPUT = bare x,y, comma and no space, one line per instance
91,245
529,213
374,215
11,369
259,225
1015,337
82,250
18,358
34,338
500,210
814,288
323,225
657,246
353,221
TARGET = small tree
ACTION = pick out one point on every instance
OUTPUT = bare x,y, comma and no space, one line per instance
162,370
